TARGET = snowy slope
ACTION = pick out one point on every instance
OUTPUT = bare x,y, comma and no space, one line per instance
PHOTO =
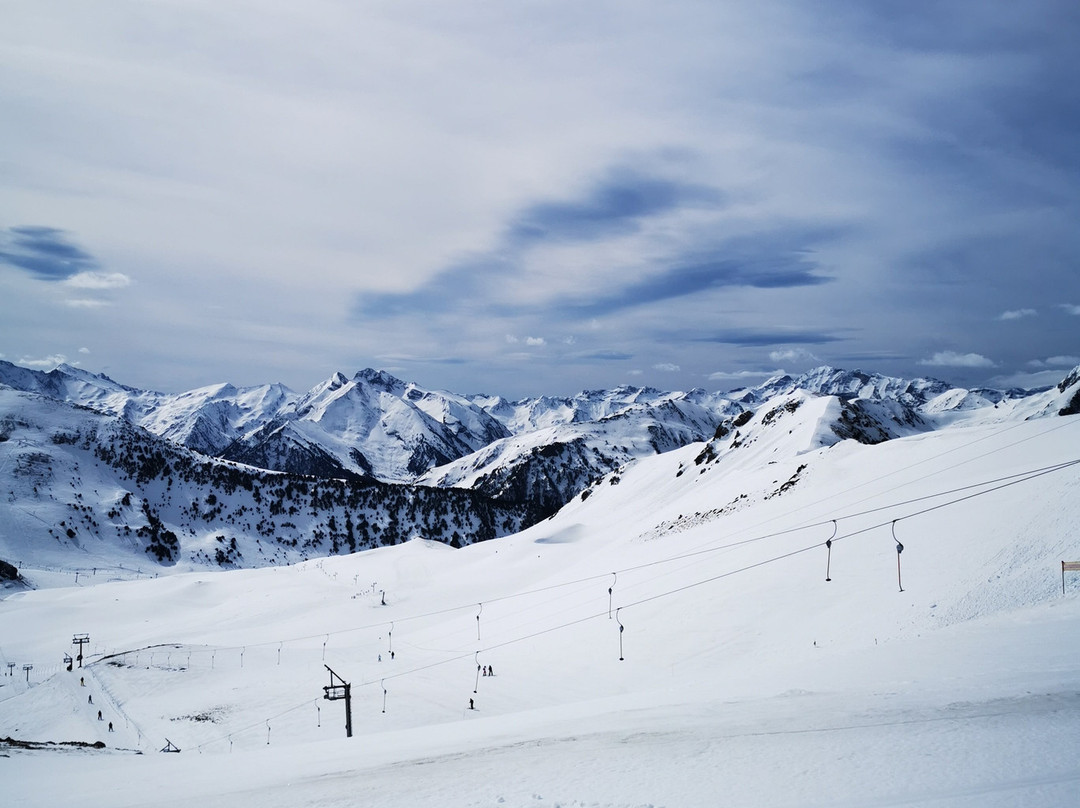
82,490
741,675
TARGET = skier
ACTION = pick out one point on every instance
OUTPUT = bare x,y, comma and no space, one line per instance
99,715
110,726
89,699
471,707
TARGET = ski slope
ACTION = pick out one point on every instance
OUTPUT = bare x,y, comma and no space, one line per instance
945,675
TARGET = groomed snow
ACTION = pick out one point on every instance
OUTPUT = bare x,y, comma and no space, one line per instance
747,679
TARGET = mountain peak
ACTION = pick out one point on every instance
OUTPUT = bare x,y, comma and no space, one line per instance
379,379
73,372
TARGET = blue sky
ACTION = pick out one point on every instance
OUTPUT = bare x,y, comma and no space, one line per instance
526,198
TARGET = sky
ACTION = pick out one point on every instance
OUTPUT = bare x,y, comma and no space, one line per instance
540,197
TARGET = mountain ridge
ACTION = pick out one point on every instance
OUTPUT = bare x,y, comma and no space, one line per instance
533,455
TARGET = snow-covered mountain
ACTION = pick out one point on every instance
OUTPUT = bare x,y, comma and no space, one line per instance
536,454
84,488
545,466
207,420
562,444
371,425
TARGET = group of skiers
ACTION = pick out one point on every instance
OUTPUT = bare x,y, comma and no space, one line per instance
90,700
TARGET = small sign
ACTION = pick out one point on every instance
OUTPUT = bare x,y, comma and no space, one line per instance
1068,566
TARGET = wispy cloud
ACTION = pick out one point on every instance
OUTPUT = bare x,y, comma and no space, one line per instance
952,359
608,356
772,268
619,204
742,375
1018,314
667,367
49,362
1071,308
616,205
748,337
1055,362
1027,380
792,355
98,280
47,253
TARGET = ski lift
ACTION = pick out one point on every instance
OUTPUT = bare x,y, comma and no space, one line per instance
828,547
899,550
621,629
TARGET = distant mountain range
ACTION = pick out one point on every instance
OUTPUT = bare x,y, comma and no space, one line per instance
250,476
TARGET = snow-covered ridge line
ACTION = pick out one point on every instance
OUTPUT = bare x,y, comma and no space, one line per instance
538,453
377,425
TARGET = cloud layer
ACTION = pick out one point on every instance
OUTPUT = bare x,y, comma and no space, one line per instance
541,197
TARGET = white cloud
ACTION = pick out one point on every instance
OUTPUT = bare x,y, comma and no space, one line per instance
98,280
667,367
1056,362
1017,314
1071,308
793,355
84,350
952,359
86,303
743,375
512,340
535,341
1027,381
49,362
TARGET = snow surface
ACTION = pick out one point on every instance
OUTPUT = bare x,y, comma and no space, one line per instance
746,679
